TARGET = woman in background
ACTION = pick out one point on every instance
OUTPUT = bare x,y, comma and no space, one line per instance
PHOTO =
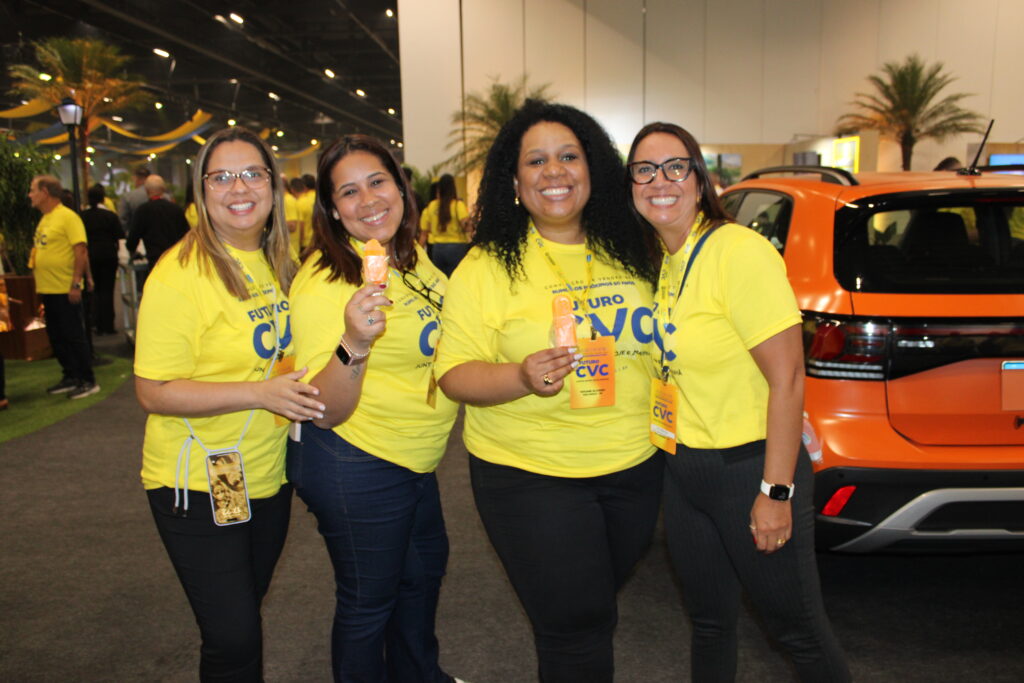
444,226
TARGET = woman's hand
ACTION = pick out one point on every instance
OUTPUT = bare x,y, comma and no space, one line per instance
286,396
364,321
771,521
543,373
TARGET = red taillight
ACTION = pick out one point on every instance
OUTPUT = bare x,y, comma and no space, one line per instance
845,349
838,501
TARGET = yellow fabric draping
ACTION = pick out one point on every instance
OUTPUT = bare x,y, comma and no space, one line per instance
36,106
199,139
198,119
63,137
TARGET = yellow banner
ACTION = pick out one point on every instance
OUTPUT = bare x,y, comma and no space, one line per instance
198,119
36,106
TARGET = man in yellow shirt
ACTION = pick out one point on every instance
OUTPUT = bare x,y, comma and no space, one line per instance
59,260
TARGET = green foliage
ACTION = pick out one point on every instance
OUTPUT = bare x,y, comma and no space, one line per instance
475,126
905,107
18,165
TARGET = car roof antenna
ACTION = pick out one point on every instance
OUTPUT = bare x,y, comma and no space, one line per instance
973,168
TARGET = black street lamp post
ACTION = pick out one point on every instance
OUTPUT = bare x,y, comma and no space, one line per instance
71,116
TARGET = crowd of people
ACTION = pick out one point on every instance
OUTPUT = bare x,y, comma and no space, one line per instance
272,358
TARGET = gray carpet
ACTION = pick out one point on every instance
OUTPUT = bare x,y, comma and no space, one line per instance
87,593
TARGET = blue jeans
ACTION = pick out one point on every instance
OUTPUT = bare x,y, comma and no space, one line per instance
385,534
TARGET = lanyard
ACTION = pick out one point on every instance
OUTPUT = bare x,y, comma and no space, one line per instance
580,302
667,300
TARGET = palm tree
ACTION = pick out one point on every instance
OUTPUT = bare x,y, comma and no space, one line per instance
905,106
89,71
475,126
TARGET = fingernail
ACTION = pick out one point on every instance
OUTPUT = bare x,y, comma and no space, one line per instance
574,364
383,285
321,408
578,356
572,349
319,416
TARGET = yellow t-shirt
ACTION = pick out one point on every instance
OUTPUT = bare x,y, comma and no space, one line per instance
392,420
192,215
191,327
453,234
291,213
488,318
304,206
53,253
736,297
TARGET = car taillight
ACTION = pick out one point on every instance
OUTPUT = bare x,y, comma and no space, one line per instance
845,349
838,501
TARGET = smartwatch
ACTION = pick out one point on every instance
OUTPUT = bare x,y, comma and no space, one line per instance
777,491
347,356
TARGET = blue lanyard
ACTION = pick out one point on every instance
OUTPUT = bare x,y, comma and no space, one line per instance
679,293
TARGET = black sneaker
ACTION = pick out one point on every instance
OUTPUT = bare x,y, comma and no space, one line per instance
64,386
84,389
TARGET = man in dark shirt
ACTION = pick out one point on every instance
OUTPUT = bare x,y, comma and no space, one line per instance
159,223
103,229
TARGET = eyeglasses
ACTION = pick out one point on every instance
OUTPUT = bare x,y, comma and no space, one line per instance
253,178
676,170
413,282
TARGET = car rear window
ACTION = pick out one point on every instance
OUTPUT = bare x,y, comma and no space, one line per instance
945,243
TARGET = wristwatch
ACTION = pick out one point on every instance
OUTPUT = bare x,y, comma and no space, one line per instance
777,491
347,356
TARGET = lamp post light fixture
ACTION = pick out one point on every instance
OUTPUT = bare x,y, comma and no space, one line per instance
70,113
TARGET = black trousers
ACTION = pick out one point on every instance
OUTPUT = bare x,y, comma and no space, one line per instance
708,497
104,274
568,545
65,326
225,572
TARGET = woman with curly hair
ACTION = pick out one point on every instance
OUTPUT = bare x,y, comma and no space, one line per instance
564,478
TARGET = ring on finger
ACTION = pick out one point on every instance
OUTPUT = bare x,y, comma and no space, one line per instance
370,320
780,542
547,379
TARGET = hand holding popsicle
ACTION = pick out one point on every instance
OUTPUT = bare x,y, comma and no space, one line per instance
543,373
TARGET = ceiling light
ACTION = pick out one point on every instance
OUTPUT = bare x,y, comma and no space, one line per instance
400,145
274,96
328,73
314,141
161,53
187,161
55,156
109,165
273,147
233,81
119,119
152,156
237,18
389,12
360,92
221,19
24,101
158,105
45,77
107,100
392,141
391,110
232,122
280,133
90,149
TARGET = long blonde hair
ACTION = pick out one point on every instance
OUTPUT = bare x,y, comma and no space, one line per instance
203,239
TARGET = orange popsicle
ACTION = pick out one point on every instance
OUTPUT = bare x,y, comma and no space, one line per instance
375,263
563,320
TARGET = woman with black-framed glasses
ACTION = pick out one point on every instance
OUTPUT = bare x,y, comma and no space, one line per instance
738,503
366,466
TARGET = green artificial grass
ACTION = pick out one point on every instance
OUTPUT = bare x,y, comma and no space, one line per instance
31,408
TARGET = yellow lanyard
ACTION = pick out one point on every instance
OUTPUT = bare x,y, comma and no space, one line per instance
580,302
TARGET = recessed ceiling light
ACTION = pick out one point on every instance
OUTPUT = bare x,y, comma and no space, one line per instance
55,156
314,141
273,147
328,73
220,18
107,100
232,122
391,110
119,119
187,161
237,18
392,141
400,145
45,77
274,96
161,53
233,81
90,149
158,105
389,12
360,92
280,133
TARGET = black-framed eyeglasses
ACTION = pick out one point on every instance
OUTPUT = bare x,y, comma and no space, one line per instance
416,284
676,170
254,178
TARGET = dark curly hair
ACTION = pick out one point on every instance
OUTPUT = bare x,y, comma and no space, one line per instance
710,205
611,228
330,238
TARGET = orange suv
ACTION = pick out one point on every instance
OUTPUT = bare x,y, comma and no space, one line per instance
912,291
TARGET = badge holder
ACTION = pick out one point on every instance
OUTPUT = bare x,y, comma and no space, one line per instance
229,495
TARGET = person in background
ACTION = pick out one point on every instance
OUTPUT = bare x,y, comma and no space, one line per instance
296,227
444,225
564,478
949,164
59,261
214,370
158,224
103,229
304,203
191,212
135,198
366,466
738,501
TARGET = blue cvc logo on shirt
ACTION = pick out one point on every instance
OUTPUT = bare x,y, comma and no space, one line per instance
613,322
263,335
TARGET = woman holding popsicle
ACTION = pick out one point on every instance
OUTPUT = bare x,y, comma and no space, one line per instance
564,478
365,315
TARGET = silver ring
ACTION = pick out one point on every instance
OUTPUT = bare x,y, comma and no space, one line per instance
547,380
370,320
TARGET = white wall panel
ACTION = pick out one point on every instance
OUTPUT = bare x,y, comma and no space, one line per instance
734,85
849,52
906,27
492,37
554,47
1007,73
674,63
431,81
792,49
614,66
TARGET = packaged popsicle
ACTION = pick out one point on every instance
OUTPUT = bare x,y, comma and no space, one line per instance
375,263
563,321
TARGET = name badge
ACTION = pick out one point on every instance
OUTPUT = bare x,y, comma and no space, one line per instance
664,409
281,367
592,383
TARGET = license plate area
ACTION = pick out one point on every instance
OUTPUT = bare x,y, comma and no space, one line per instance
1012,381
